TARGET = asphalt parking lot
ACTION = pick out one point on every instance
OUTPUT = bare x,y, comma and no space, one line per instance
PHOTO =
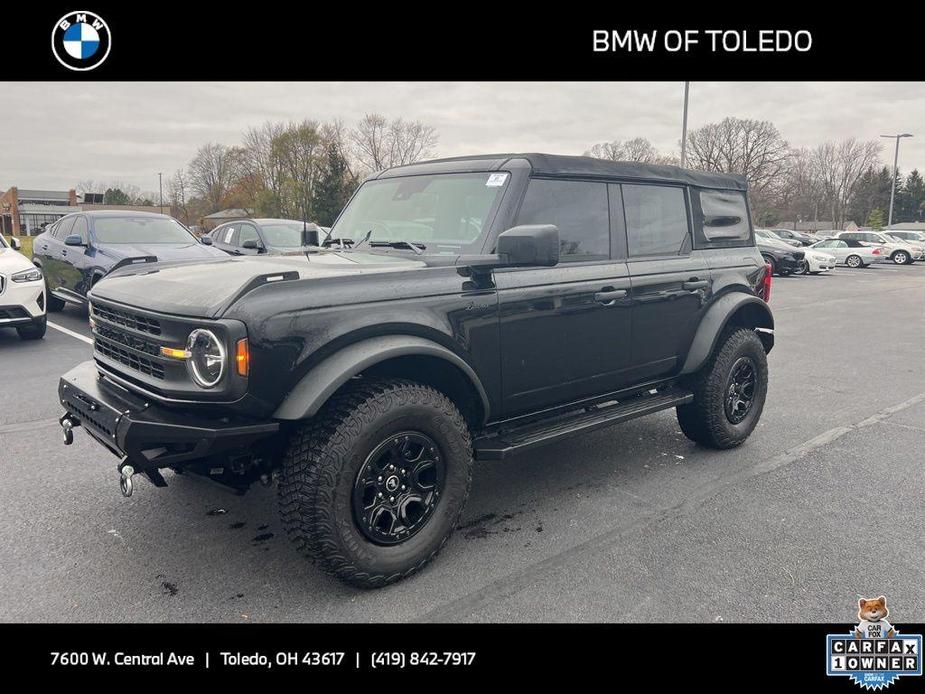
629,524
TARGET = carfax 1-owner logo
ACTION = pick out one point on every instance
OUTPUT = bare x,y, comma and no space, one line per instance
80,40
874,654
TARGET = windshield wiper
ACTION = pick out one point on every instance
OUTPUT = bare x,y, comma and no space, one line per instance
418,248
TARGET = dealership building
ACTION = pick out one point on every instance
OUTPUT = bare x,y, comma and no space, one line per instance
24,212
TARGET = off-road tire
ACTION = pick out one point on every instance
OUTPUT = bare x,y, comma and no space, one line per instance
704,421
323,459
34,331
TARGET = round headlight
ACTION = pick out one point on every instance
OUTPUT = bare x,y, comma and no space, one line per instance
207,357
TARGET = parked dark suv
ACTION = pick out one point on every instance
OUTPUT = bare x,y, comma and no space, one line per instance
473,308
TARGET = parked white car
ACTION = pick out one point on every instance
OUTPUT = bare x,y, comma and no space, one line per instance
899,251
849,252
816,260
22,293
907,234
917,245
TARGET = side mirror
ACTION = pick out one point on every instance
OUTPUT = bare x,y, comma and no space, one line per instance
15,243
534,245
74,240
205,240
252,244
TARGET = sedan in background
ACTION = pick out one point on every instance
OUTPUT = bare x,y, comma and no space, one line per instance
797,237
900,252
816,260
783,258
850,252
81,248
271,236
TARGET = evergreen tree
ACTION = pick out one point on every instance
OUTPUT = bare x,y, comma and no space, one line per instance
910,198
876,219
334,187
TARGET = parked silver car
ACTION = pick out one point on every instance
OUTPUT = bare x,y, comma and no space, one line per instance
851,252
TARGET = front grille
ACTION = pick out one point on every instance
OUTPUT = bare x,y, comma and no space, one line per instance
129,320
129,358
137,343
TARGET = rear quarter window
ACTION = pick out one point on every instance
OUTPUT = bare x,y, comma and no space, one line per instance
722,218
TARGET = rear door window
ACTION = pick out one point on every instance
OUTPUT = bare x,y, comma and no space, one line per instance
725,216
656,220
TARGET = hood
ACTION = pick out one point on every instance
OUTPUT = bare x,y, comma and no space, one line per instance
13,261
207,289
162,251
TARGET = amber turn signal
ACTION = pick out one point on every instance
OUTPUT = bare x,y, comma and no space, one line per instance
242,357
174,353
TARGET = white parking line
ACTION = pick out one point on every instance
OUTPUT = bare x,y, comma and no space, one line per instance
64,330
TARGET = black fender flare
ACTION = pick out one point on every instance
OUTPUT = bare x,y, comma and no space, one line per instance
717,318
321,382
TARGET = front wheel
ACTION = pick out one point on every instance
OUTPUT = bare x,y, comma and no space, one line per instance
372,487
729,392
901,258
33,331
854,261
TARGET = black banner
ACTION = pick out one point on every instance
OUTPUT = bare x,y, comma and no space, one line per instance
423,41
637,655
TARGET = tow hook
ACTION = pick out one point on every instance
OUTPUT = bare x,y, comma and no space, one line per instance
67,427
125,480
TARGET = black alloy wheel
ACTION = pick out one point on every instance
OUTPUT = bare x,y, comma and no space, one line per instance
740,390
398,487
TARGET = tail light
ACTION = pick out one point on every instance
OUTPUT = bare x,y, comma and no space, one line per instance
766,286
876,251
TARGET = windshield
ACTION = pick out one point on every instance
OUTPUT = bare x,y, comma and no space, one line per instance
446,213
141,230
282,234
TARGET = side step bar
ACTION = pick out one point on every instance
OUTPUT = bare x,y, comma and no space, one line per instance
498,445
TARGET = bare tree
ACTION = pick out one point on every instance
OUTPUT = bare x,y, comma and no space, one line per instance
380,144
752,148
212,173
838,166
639,149
178,194
260,160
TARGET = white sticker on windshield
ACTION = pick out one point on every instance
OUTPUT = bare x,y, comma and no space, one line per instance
496,180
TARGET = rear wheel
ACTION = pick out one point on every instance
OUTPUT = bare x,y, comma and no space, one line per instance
372,487
33,331
729,392
854,261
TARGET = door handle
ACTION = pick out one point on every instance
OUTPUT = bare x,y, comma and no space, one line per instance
63,252
607,296
45,247
694,283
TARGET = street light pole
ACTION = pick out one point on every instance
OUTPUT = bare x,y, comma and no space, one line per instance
895,173
160,191
684,126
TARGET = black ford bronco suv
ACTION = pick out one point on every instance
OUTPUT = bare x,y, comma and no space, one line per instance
458,310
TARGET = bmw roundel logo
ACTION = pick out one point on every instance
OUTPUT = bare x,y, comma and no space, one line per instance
81,40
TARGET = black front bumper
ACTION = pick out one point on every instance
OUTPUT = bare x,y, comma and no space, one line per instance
146,435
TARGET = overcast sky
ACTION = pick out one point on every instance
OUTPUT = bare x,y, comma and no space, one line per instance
53,135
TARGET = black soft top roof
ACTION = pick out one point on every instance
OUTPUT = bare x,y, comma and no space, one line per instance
561,165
